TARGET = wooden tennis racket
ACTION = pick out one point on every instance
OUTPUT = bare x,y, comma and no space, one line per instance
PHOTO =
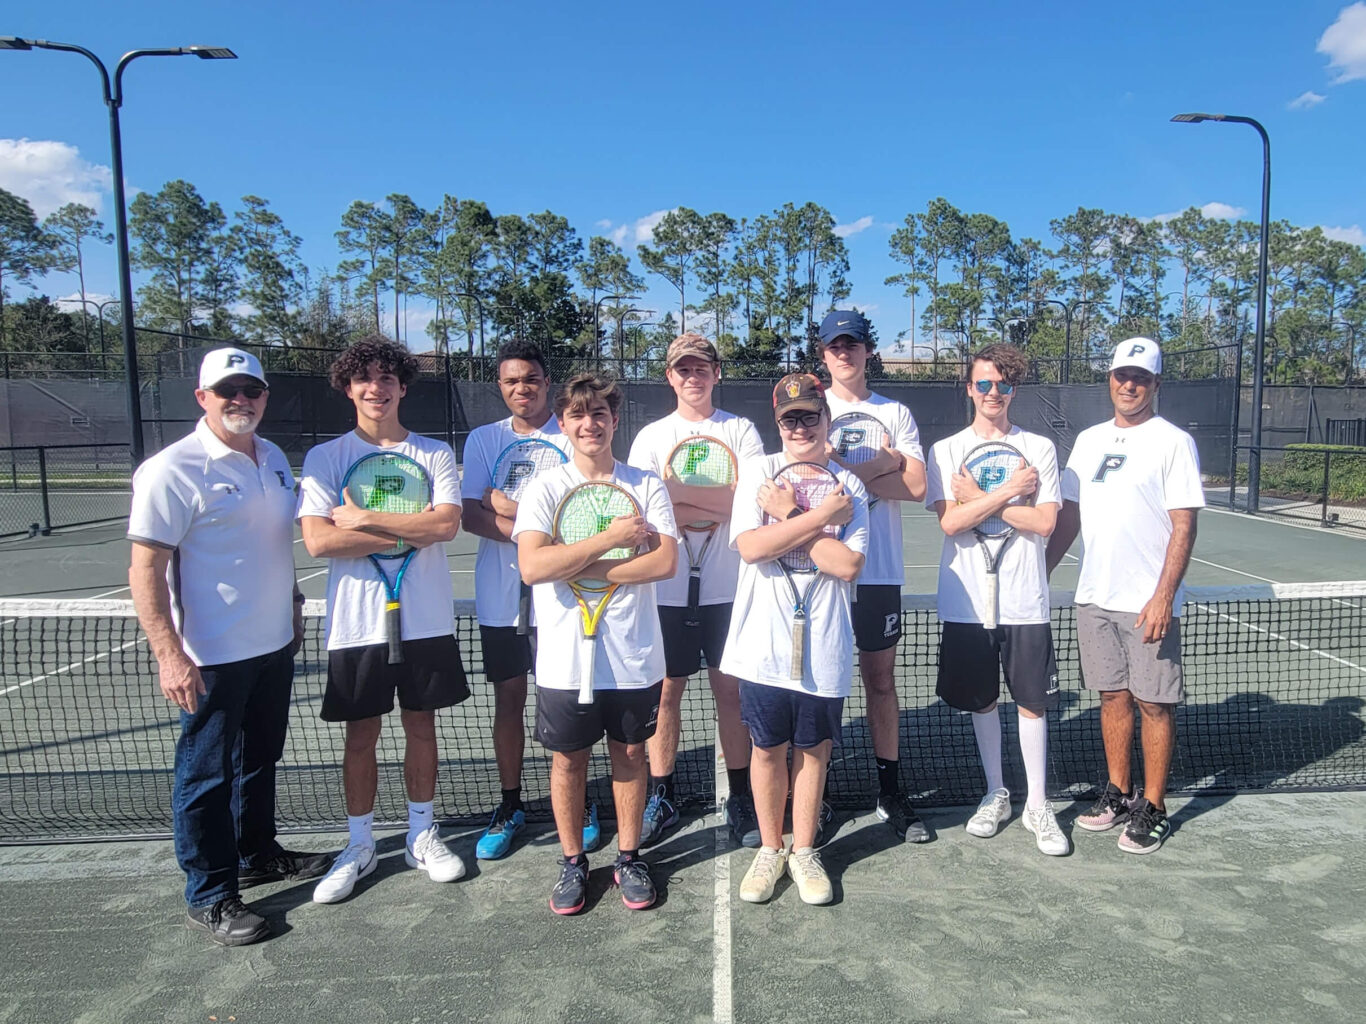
991,465
517,465
700,461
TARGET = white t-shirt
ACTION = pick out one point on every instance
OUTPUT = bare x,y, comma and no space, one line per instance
496,577
1125,480
355,595
885,564
630,653
1023,575
229,523
759,644
650,450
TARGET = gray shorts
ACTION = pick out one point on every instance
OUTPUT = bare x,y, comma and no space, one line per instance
1114,656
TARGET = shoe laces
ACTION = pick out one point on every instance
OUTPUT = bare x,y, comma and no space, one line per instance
635,870
1147,818
768,859
809,863
1046,823
353,855
231,906
502,817
571,874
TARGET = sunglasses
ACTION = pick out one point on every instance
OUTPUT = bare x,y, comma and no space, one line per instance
984,387
799,419
227,392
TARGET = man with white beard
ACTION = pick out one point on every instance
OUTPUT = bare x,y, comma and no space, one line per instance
212,578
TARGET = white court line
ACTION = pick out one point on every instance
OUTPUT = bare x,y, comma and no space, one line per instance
1251,627
1229,568
67,668
1278,522
722,1006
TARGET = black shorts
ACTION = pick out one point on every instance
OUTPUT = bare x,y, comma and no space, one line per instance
507,653
877,616
971,660
361,683
685,646
776,715
565,725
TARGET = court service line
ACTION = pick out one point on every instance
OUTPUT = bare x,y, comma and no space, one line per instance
1240,572
722,1008
1275,522
1252,627
74,665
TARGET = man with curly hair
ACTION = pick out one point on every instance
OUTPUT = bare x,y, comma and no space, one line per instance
375,374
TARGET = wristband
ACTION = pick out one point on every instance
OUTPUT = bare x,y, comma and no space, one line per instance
794,513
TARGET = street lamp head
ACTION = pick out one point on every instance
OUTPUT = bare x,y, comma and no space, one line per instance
1196,118
211,52
15,43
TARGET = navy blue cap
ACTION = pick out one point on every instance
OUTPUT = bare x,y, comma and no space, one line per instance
846,322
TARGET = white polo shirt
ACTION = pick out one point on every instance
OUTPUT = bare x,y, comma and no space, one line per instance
229,522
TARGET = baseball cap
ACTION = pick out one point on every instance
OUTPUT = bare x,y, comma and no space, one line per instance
801,392
1143,353
690,345
845,322
223,363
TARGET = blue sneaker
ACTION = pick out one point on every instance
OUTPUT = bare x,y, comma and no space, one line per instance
497,838
660,816
592,831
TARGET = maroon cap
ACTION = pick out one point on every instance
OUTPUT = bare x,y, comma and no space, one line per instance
800,391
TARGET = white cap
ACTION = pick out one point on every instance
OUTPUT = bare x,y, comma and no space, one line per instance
1143,353
222,363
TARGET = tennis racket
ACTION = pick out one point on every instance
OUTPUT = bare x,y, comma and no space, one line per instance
389,482
991,465
517,465
700,461
857,438
810,483
586,511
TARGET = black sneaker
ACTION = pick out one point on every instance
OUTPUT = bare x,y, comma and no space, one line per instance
897,811
660,816
229,922
823,822
743,823
633,878
1148,827
571,891
1111,809
285,866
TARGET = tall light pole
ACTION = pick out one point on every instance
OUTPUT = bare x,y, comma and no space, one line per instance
597,307
1351,348
1068,311
113,99
479,306
99,315
1254,455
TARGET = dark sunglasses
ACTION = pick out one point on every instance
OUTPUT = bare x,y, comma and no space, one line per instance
799,419
227,392
984,387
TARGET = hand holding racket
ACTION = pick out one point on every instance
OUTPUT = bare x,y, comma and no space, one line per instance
993,466
393,483
700,461
588,510
517,465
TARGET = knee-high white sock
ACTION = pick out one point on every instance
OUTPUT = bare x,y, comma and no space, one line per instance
420,816
987,726
1034,750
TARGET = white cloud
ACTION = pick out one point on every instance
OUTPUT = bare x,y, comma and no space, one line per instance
1353,235
1214,211
71,303
1344,43
604,224
645,227
1305,100
50,174
845,230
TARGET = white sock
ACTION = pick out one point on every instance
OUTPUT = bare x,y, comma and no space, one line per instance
987,726
1034,750
361,829
420,818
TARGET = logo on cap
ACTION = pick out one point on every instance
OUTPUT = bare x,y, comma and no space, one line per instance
234,359
1135,350
794,388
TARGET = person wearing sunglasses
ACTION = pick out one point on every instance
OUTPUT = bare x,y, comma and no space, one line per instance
894,475
972,659
212,579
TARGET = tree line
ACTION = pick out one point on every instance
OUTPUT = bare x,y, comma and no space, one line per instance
756,284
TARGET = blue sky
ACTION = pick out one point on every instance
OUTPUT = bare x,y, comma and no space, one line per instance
611,114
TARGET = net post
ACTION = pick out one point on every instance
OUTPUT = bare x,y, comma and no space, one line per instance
42,490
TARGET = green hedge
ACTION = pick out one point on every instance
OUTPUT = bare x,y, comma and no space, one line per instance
1299,473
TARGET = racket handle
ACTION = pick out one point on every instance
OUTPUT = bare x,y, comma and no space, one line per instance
798,648
590,658
393,629
991,612
523,610
693,617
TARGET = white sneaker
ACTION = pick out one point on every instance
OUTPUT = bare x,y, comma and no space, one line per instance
990,814
353,864
763,875
430,853
1047,835
806,869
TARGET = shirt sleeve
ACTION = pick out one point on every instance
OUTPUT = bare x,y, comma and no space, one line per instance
855,535
445,477
1070,481
536,510
659,510
934,474
744,512
318,486
163,506
1181,487
642,454
751,445
478,473
906,436
1047,465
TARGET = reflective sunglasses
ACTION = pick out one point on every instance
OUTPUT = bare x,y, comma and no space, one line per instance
793,420
228,392
984,387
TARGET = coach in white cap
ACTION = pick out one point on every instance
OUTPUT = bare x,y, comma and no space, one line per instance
212,577
1132,487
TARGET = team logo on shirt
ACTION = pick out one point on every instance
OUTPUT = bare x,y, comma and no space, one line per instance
1108,464
281,474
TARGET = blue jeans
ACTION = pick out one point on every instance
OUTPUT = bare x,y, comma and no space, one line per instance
224,796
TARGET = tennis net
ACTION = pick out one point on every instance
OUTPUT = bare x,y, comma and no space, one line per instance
1275,676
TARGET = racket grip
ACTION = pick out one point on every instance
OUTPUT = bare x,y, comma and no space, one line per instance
523,610
393,628
693,617
991,613
798,649
586,670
